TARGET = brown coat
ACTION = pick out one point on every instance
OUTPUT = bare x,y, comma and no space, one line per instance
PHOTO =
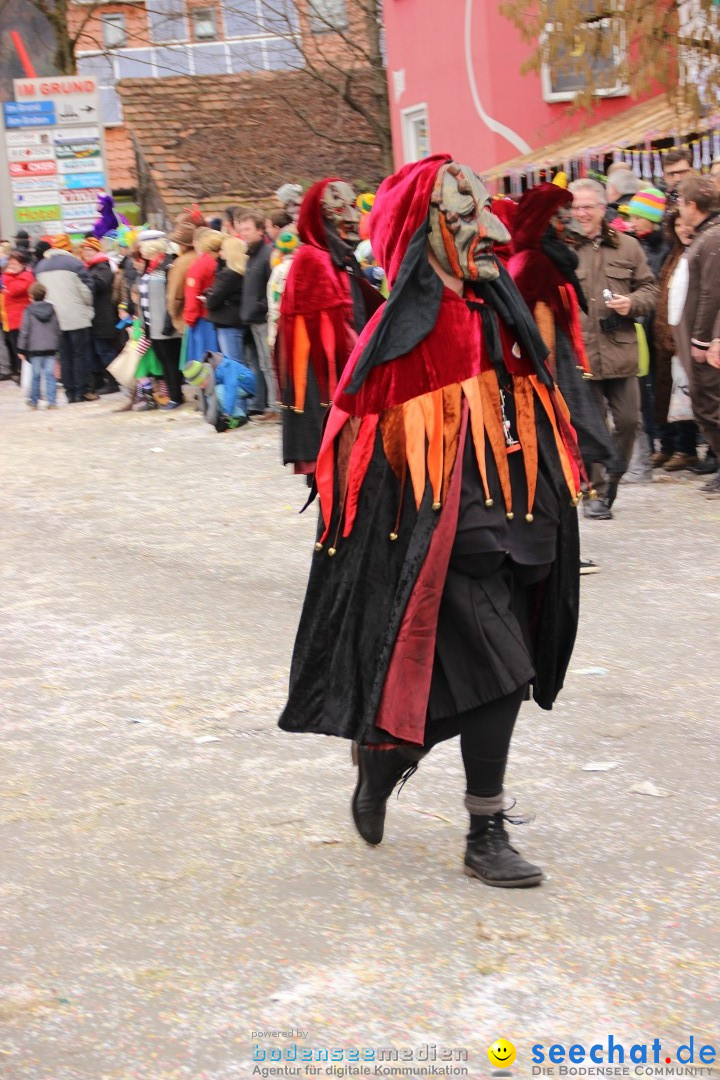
176,288
617,262
700,320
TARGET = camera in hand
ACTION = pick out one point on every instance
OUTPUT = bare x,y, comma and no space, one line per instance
610,322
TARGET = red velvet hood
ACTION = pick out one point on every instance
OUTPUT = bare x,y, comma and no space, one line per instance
505,210
311,223
533,214
401,205
314,283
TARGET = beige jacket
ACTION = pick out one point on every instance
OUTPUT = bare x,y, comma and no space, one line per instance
616,262
176,288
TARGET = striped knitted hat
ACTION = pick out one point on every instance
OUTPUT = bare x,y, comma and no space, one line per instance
365,202
649,203
62,241
287,240
92,242
195,372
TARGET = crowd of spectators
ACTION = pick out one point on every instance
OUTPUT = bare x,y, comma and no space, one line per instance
647,263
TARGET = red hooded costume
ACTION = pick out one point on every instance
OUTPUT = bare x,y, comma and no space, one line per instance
418,407
543,268
317,330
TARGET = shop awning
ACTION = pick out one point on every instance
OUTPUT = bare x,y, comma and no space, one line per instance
652,121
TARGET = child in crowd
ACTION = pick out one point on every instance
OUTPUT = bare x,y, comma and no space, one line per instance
15,281
225,385
39,341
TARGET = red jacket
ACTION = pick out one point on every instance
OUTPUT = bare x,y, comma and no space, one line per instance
199,279
15,293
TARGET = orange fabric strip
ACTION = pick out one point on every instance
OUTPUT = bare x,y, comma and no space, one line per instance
415,446
527,432
544,395
432,405
471,390
301,356
392,427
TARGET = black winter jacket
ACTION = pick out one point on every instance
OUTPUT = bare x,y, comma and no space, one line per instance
225,298
257,273
101,282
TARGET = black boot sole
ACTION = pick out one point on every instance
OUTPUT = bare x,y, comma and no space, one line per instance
522,883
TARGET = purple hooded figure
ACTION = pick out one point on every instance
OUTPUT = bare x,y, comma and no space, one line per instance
108,219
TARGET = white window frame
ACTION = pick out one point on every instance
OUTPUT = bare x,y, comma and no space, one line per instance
321,23
409,118
618,90
208,10
116,19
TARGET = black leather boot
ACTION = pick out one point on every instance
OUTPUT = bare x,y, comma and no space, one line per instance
378,773
491,858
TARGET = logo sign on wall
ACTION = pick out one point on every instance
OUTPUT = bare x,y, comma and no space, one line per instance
35,183
76,152
29,153
35,198
76,165
29,114
76,134
85,180
33,168
29,138
27,215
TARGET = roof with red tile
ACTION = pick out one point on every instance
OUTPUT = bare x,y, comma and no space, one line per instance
226,139
120,159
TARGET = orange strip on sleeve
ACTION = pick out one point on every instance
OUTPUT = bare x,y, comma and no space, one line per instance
471,390
301,356
392,427
415,446
527,432
544,395
432,407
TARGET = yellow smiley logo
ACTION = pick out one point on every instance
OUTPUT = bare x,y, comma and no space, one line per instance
501,1053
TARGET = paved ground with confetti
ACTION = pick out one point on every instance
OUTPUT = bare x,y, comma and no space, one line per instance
179,876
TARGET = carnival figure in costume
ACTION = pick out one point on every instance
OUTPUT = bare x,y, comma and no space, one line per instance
445,579
325,305
543,266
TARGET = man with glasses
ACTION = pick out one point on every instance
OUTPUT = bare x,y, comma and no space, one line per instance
619,288
677,165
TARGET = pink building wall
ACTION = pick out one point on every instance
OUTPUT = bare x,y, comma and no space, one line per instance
479,107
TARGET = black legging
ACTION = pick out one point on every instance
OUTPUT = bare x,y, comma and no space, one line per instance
485,733
11,340
167,351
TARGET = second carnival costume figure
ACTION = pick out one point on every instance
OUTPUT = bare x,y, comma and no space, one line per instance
325,305
445,580
544,265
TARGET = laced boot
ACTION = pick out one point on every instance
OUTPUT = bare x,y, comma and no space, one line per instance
492,859
378,773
